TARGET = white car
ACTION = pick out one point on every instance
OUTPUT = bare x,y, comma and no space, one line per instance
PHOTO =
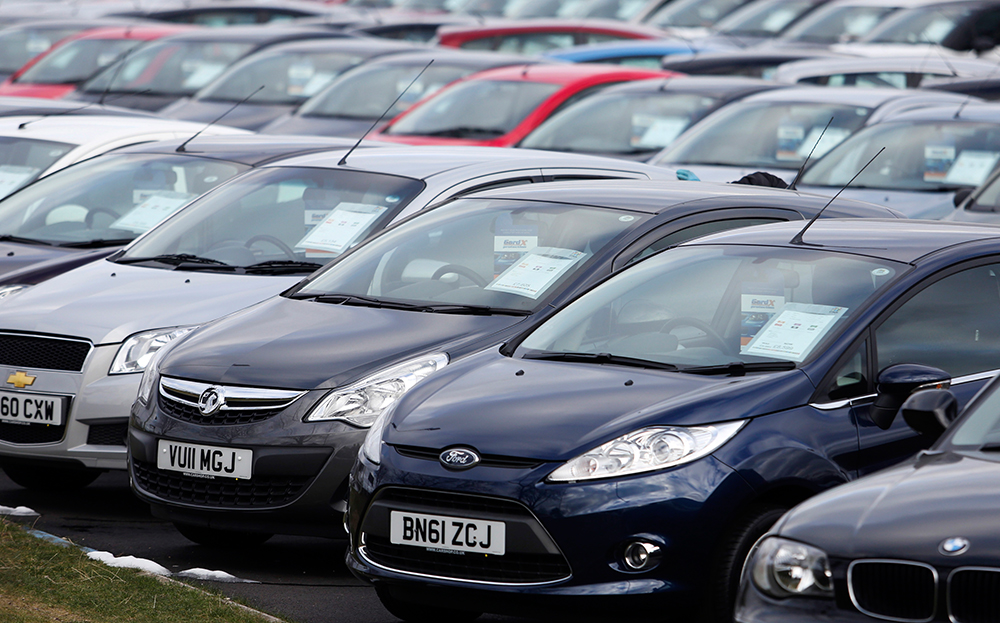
36,145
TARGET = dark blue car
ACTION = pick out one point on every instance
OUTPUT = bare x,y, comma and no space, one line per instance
628,452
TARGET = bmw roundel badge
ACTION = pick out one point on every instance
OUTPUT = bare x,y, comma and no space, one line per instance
954,546
459,458
211,400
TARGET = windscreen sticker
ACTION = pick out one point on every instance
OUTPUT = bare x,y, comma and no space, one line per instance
937,162
656,132
793,332
537,271
154,208
831,138
202,74
757,310
971,167
789,139
13,177
510,244
342,227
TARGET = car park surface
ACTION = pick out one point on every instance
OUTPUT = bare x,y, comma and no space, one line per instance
628,452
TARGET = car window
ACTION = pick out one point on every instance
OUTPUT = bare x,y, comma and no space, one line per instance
696,231
532,44
20,45
952,324
22,160
287,77
77,61
851,379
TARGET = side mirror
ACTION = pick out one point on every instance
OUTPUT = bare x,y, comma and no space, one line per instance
962,195
929,412
983,44
897,382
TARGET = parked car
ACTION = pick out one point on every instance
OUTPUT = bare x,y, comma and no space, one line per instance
979,205
638,119
776,130
842,21
762,21
22,42
499,107
754,63
243,242
915,542
645,53
899,72
180,65
966,26
34,146
207,13
11,106
290,73
625,454
691,18
540,35
930,155
321,359
67,64
337,111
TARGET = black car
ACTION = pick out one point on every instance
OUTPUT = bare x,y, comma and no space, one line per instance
178,66
917,542
285,391
291,73
338,111
756,63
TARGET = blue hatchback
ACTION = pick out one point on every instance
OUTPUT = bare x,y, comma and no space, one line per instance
628,451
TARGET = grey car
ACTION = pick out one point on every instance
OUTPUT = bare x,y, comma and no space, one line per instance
72,348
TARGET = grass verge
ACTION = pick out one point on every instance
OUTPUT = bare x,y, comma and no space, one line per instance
43,583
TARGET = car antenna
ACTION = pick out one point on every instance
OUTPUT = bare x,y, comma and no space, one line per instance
343,160
797,239
68,111
795,180
182,147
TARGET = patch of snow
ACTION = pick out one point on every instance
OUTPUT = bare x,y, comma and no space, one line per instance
128,562
214,576
20,511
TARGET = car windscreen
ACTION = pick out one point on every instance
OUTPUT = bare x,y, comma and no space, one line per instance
20,45
76,61
703,306
276,220
110,199
610,9
287,77
22,160
979,429
920,156
840,24
621,123
920,25
381,83
764,19
765,134
169,67
693,13
476,109
500,254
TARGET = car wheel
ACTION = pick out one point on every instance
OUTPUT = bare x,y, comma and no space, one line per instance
725,575
419,613
48,478
223,539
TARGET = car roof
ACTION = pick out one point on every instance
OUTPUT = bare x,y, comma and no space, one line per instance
261,34
457,56
144,32
798,70
901,240
718,86
250,149
741,57
11,105
361,45
854,96
97,128
500,26
970,111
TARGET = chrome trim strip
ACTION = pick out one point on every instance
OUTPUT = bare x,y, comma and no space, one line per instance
970,378
361,553
188,392
850,587
961,380
951,617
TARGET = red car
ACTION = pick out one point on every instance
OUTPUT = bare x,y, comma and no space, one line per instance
68,63
536,36
499,107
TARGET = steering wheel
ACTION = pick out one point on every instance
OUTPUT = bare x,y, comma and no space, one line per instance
89,219
287,250
461,270
689,321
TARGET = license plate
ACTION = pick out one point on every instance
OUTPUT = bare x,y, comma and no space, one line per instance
25,408
201,460
455,534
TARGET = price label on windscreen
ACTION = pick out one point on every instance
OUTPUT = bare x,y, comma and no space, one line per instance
536,271
971,167
151,211
13,177
793,332
341,227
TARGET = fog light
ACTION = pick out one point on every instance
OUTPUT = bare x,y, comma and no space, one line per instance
641,555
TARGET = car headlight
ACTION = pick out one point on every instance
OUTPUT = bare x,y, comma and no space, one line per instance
782,568
137,351
372,446
14,288
645,450
361,403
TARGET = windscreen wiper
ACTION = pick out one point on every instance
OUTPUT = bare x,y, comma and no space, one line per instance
620,360
177,259
10,238
464,131
740,368
283,266
993,446
363,301
96,243
472,310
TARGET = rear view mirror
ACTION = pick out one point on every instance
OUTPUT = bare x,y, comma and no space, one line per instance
930,412
897,382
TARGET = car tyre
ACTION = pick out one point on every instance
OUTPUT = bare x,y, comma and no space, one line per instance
724,581
419,613
51,479
222,539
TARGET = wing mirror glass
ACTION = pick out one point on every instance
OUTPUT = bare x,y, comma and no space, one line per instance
897,382
929,412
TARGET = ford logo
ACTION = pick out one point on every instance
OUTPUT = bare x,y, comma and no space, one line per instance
458,458
211,400
953,546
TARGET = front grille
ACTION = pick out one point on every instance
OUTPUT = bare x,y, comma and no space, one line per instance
486,460
514,567
44,353
259,492
898,590
180,399
31,433
972,595
187,413
107,434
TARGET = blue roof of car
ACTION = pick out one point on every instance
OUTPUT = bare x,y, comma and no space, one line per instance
619,49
